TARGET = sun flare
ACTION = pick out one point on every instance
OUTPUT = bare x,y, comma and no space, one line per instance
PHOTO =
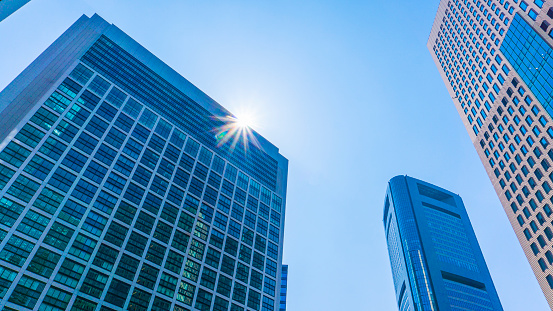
245,120
237,129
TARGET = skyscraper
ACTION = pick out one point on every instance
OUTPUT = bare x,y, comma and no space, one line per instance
435,257
283,287
8,7
495,58
124,187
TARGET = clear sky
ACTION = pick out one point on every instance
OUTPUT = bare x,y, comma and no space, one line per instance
349,93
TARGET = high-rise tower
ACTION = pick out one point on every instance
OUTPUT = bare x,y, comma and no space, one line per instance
435,257
124,187
496,60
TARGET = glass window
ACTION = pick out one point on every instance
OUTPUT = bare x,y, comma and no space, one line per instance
55,298
57,102
99,86
38,167
107,111
82,247
23,188
117,292
14,154
180,241
132,108
163,232
203,300
224,286
227,265
148,118
186,293
115,138
44,262
212,258
163,128
105,257
147,276
174,262
116,97
27,292
191,270
125,212
29,135
116,234
139,300
208,278
44,118
136,244
33,224
127,267
59,236
77,115
192,147
156,252
74,160
16,250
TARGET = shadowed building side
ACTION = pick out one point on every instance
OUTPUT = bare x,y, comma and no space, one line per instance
283,287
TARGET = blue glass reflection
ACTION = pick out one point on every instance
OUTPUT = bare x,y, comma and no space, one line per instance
531,57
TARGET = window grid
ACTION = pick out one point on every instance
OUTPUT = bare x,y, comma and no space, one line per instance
92,225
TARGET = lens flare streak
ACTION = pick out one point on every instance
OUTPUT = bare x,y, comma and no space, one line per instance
233,131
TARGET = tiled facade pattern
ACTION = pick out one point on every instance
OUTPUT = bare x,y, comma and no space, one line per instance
105,204
494,57
435,258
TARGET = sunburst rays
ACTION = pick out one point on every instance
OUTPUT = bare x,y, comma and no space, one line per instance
234,131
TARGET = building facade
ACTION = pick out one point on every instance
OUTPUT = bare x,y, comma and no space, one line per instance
8,7
495,58
436,261
283,287
119,188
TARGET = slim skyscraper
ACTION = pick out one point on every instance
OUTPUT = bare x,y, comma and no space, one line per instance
435,257
8,7
496,58
124,187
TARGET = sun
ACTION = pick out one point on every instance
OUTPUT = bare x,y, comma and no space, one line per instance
237,128
244,120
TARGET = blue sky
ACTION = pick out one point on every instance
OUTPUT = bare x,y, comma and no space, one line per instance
349,93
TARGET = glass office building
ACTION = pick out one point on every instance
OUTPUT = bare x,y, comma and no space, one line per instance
435,258
495,58
8,7
283,287
119,191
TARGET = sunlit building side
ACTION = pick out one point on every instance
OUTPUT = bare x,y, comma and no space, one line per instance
125,187
496,58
